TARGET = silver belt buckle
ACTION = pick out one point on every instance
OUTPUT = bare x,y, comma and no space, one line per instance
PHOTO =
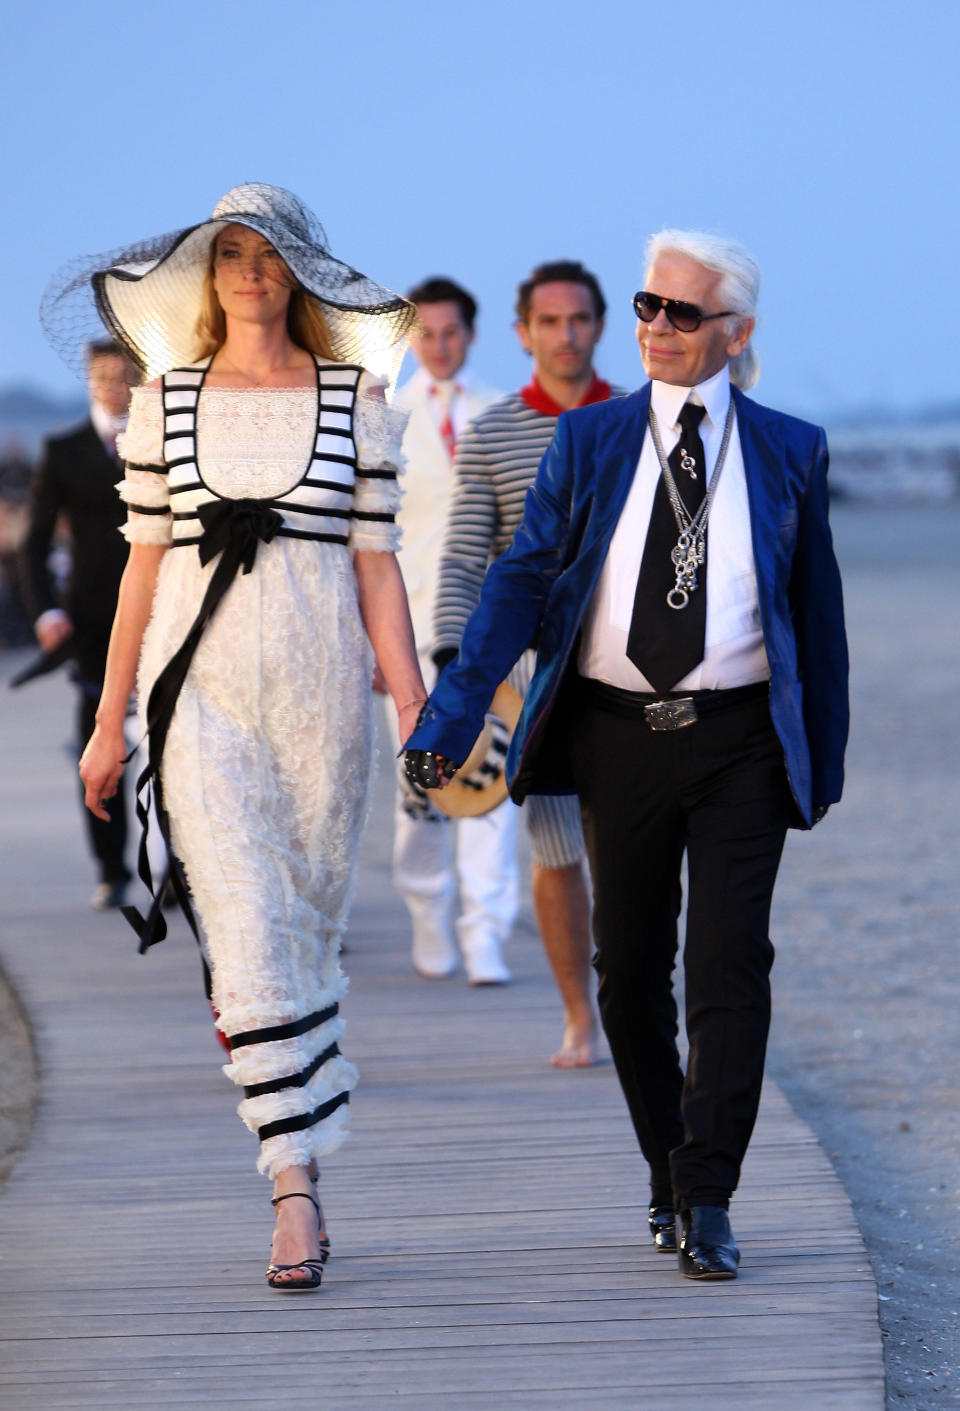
671,715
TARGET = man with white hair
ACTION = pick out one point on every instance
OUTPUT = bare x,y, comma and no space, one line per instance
676,567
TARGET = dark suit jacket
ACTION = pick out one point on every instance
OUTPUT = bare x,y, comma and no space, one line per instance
545,580
76,478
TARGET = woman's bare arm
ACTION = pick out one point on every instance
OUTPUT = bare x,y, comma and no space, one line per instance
386,616
101,764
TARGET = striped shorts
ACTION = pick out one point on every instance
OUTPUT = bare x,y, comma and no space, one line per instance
553,820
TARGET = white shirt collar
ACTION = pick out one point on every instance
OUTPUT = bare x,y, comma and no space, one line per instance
461,381
714,394
105,424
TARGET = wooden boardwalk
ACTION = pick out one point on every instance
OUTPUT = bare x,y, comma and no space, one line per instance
487,1216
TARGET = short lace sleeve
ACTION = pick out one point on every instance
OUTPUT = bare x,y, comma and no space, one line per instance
378,431
144,484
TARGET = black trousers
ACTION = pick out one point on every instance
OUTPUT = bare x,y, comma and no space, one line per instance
717,791
107,840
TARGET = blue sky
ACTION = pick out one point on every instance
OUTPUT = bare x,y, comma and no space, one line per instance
477,140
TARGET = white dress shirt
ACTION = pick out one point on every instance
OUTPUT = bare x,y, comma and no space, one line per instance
734,652
428,484
454,394
107,426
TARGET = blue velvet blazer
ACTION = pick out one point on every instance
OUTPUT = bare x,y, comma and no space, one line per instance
539,590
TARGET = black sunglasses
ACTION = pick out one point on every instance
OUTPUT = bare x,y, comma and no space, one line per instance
686,318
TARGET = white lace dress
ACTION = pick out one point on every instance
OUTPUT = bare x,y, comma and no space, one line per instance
267,760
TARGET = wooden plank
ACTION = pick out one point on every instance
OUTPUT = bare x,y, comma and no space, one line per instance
487,1214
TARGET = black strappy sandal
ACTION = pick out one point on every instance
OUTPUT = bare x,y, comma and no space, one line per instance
315,1266
313,1175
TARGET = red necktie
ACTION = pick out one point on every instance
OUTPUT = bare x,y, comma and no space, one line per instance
447,434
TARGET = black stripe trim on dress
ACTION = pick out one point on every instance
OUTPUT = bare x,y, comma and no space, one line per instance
313,509
306,1119
374,515
334,431
295,1080
293,509
179,435
364,474
192,485
276,1032
181,460
146,509
322,485
185,541
329,456
152,469
287,533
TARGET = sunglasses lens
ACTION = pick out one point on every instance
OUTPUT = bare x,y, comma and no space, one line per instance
684,317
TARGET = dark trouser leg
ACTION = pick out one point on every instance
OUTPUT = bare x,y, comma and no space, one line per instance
737,805
107,840
727,967
634,844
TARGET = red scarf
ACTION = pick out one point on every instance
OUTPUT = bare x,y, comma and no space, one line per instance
539,401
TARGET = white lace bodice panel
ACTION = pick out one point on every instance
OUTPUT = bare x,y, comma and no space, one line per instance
255,447
256,443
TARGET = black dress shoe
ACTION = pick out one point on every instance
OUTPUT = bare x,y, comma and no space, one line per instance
663,1228
707,1247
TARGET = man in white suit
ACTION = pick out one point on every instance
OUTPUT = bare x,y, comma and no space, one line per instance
434,855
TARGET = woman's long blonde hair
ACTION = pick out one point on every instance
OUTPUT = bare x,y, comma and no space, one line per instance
305,322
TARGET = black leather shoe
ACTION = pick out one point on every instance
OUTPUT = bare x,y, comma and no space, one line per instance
707,1247
663,1228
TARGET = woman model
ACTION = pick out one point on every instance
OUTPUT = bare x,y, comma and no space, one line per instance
261,486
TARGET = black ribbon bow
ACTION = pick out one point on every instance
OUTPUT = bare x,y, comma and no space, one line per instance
233,529
237,526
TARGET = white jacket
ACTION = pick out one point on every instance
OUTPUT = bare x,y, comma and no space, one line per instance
427,488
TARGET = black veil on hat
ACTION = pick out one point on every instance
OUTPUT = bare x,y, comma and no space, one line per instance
148,294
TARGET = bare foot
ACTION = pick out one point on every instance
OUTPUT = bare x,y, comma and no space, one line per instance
578,1050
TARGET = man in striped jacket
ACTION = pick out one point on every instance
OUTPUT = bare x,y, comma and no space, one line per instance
560,312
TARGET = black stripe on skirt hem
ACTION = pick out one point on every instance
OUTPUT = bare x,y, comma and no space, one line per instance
283,1031
295,1080
303,1120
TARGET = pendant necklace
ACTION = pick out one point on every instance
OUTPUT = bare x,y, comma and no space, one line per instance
689,553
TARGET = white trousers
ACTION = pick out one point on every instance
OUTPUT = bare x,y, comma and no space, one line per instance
433,858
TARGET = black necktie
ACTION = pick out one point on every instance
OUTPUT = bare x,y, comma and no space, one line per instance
666,643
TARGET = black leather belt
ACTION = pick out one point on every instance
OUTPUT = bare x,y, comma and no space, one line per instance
672,711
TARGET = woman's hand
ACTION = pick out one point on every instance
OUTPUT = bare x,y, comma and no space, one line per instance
101,766
407,717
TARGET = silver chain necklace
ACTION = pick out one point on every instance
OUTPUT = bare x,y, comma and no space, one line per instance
689,553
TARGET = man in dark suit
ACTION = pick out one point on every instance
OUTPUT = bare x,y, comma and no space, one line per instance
75,480
675,564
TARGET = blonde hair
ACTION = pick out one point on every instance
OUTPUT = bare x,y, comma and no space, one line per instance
305,322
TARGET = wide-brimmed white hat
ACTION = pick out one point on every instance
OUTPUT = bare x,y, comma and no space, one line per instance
481,781
149,294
